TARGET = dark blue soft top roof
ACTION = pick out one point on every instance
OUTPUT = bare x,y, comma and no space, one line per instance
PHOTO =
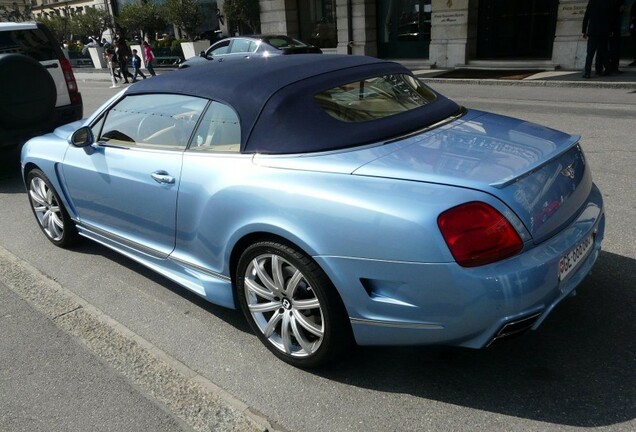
274,99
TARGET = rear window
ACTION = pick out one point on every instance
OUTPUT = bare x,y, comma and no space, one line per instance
374,98
282,42
33,43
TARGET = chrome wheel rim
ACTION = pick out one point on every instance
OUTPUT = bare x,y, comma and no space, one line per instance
46,208
283,305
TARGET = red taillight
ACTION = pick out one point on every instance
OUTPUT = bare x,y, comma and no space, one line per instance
477,234
69,77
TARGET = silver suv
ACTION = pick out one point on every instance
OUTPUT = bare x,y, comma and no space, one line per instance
37,84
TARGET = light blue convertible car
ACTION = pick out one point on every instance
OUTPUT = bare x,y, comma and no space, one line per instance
333,199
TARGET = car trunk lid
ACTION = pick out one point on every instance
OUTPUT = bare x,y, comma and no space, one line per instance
540,173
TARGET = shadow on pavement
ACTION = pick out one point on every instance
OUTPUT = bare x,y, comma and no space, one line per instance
9,164
577,369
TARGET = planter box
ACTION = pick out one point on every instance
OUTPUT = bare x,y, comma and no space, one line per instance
97,56
193,49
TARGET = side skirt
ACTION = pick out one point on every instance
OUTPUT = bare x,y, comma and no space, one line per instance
214,287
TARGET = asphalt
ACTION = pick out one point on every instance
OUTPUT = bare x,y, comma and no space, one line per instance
626,79
66,366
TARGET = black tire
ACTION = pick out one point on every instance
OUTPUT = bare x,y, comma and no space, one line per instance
28,92
308,320
52,217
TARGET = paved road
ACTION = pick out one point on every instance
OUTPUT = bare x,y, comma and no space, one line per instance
576,372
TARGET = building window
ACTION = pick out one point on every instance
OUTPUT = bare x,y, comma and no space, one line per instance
317,22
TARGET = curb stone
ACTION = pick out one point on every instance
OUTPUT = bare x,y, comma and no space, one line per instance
533,83
193,398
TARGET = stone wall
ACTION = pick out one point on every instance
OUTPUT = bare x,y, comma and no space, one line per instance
453,32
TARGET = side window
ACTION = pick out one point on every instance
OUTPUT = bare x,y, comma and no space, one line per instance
154,121
253,47
219,131
220,48
33,43
240,46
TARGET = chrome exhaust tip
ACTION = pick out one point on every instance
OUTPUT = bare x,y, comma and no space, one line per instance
514,328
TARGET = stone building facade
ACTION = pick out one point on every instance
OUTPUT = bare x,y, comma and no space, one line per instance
444,33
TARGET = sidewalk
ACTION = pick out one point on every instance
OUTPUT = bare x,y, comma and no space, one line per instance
66,366
51,382
558,78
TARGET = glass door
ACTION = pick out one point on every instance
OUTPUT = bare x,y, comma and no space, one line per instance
404,28
516,29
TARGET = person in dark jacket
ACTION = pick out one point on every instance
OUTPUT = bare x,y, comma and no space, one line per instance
614,47
123,56
597,27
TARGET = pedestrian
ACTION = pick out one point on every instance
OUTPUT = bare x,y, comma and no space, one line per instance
123,57
136,65
614,43
597,26
149,58
111,63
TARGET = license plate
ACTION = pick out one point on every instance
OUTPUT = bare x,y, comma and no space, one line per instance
570,260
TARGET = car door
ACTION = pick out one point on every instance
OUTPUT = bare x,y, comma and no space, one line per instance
241,48
218,51
124,187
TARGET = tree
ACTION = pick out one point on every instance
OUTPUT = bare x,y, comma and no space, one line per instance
13,13
243,12
92,23
145,16
185,14
59,25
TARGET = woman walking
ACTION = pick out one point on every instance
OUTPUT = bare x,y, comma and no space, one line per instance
149,58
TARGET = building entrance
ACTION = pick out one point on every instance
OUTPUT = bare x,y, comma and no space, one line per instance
516,29
404,28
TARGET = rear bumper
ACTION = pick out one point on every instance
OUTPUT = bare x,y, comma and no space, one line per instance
61,115
397,303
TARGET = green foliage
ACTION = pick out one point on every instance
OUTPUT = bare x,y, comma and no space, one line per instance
14,14
185,14
92,23
171,45
244,12
60,26
74,46
147,18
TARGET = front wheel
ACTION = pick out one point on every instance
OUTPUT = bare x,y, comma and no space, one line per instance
49,211
291,304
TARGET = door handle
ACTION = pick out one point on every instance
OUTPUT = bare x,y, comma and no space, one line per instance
162,177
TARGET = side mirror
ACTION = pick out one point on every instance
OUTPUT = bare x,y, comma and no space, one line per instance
202,54
83,137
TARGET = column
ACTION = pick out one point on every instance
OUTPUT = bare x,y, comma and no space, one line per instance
569,49
453,32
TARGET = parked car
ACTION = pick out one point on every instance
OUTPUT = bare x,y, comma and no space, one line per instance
251,46
339,199
38,87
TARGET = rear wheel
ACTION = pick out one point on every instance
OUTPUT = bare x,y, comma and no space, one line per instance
291,304
49,211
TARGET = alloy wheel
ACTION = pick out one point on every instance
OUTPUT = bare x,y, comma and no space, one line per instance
283,305
46,208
